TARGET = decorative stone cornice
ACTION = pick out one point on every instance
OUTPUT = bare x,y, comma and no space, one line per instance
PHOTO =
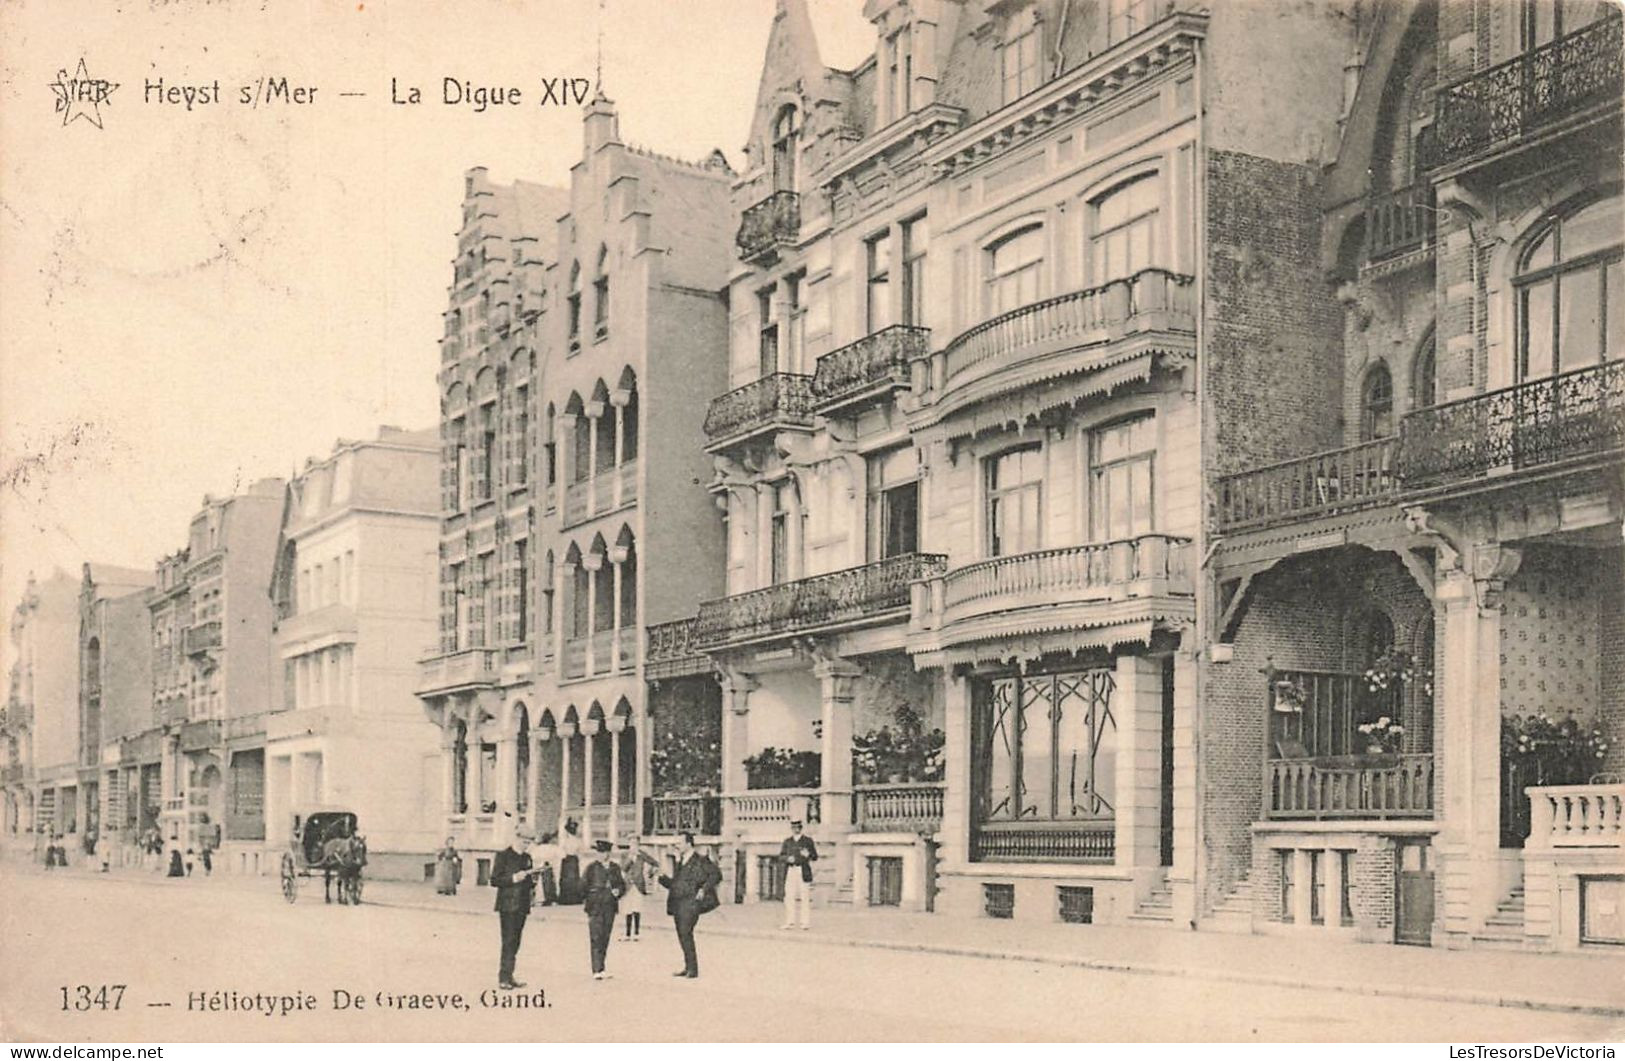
1102,78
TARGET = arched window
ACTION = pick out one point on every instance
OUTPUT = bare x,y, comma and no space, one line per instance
574,301
459,767
1125,227
550,447
547,599
1013,265
522,761
784,150
604,436
1377,404
603,587
1424,376
629,416
600,295
580,587
1571,293
629,580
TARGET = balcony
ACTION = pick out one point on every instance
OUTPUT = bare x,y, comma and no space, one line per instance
1091,842
1535,425
671,651
911,807
854,596
609,490
1557,85
1105,583
1349,787
335,621
1091,331
201,735
1341,480
784,399
672,815
201,638
773,223
470,668
869,369
1399,222
774,805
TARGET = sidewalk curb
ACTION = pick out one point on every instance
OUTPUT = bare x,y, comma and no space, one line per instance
1123,965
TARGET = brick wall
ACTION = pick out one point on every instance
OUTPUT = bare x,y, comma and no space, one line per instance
1274,356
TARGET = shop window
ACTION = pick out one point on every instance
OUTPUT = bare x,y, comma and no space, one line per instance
1045,748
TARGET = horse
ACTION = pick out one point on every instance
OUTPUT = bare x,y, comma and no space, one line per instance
343,857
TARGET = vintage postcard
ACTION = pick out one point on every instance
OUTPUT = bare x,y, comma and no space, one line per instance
812,520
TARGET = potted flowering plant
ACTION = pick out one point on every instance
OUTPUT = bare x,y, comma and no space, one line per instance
1397,669
782,768
1383,736
1548,751
907,753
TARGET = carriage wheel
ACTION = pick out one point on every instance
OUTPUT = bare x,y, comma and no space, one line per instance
290,885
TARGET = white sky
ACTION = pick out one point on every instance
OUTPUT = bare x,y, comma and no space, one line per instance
193,300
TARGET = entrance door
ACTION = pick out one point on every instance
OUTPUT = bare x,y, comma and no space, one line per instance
1413,894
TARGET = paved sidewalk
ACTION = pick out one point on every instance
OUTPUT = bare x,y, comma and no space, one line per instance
1591,982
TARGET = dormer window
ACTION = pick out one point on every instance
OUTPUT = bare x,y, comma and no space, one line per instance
1125,18
899,68
784,150
1019,61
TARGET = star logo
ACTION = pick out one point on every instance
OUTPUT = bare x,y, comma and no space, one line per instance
81,96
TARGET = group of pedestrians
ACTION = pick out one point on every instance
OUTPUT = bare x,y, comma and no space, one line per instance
609,887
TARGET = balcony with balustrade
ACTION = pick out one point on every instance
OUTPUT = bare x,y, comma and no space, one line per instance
768,227
868,371
854,597
674,815
1320,766
465,669
781,401
1399,223
1109,334
1531,100
1140,581
898,807
1571,864
201,638
1322,484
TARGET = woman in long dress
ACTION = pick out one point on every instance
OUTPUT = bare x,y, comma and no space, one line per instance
570,848
640,870
448,869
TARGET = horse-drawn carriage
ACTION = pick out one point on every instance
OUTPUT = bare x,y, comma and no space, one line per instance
329,842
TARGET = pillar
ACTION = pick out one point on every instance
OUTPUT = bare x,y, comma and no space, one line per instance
837,681
533,783
615,726
618,399
1182,875
507,788
564,580
956,758
1137,705
736,689
1467,739
567,732
764,534
617,559
595,410
593,562
589,729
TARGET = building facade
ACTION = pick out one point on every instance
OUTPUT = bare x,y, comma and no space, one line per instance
356,602
42,719
487,637
1419,590
115,702
211,616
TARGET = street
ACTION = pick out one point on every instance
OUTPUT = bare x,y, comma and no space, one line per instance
168,940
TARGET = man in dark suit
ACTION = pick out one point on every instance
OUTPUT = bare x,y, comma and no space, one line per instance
514,879
693,881
603,886
797,853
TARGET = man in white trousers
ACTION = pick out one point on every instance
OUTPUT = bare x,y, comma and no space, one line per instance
798,853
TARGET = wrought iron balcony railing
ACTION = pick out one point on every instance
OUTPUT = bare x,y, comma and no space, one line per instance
1399,221
879,362
782,399
771,223
1340,480
1533,91
1529,425
850,596
672,650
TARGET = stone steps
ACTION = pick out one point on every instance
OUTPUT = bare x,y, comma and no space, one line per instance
1157,908
1234,913
1504,929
